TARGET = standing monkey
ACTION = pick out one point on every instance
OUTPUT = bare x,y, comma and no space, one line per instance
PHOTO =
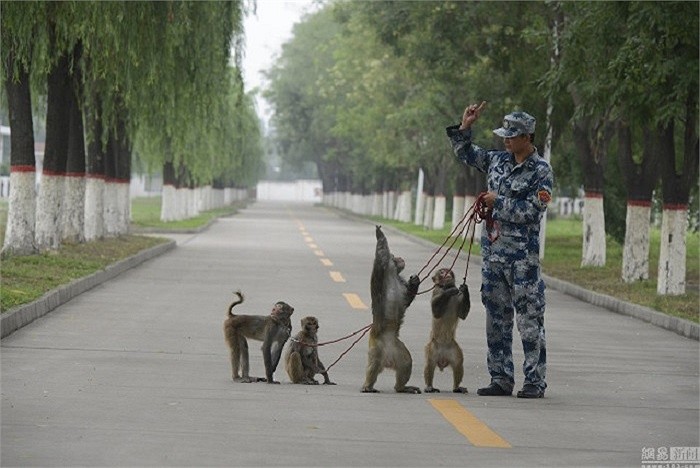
391,295
301,359
273,330
448,304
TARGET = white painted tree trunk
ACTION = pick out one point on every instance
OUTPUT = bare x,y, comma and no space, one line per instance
48,210
376,204
672,266
420,199
429,210
593,231
404,212
73,210
94,208
111,209
168,203
123,206
635,253
19,232
420,209
390,204
439,211
457,210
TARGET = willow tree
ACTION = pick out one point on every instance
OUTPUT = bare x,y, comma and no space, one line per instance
17,49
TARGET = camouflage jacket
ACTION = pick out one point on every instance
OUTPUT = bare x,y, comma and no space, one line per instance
524,190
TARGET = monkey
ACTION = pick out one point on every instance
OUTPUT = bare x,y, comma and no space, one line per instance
273,330
301,359
448,304
391,296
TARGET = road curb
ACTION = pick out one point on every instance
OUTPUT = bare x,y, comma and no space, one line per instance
677,325
18,317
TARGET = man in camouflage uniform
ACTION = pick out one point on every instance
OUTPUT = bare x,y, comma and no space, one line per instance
519,189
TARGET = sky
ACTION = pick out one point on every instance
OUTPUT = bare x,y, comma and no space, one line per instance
265,32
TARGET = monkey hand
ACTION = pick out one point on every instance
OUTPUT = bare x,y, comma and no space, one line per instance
413,282
466,302
449,292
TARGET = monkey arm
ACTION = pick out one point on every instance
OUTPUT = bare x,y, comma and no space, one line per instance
465,302
412,289
382,259
272,349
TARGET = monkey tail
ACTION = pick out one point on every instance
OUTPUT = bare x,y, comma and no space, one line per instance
235,303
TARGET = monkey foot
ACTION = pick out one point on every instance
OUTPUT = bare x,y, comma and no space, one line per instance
431,389
369,390
460,390
408,389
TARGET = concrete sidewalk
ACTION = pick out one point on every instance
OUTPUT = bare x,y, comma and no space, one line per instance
134,372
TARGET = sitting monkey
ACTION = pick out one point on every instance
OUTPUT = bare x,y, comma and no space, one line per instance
301,359
448,303
273,330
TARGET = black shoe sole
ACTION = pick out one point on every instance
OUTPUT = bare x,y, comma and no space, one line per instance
530,395
489,392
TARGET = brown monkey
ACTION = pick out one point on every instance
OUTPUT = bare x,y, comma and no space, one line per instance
273,330
448,304
301,359
391,295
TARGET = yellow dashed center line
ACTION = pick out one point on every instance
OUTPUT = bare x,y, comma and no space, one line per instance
313,246
354,301
337,277
319,253
326,262
308,239
471,427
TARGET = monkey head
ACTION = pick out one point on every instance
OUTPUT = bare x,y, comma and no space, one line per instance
282,310
309,325
399,263
445,278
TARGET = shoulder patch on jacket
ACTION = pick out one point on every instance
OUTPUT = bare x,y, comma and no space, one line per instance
544,196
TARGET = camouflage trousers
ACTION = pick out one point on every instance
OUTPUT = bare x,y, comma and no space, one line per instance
509,288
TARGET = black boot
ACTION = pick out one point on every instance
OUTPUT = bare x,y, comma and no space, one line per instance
531,391
493,390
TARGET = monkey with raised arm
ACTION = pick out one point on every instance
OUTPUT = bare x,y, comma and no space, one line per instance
301,359
449,304
273,330
391,296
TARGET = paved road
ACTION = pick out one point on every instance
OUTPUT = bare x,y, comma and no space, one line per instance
135,371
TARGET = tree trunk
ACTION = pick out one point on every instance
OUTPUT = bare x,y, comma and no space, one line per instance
73,211
591,144
167,207
676,194
640,179
19,232
95,177
48,216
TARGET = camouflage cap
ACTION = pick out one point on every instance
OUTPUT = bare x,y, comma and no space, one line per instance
516,123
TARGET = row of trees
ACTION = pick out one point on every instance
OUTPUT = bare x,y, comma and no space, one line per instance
365,90
118,79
